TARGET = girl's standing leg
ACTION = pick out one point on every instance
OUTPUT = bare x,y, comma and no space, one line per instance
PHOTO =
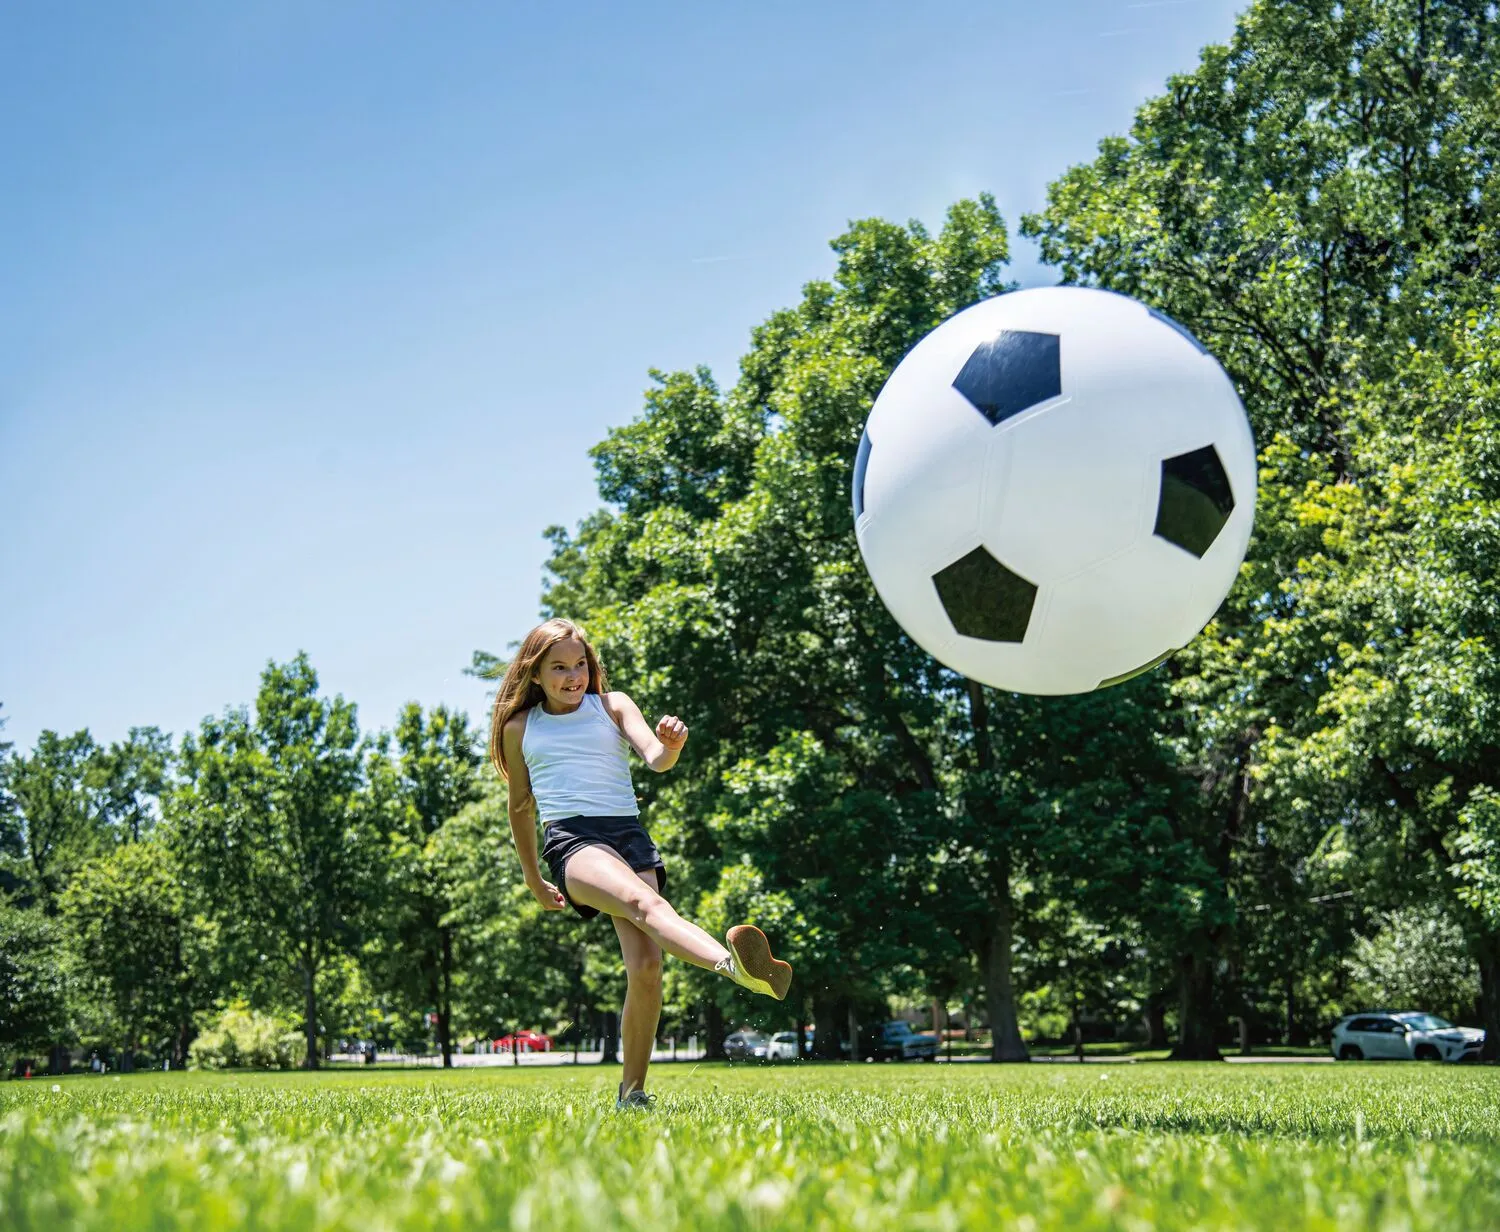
642,1010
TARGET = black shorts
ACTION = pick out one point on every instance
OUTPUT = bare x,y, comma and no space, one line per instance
624,835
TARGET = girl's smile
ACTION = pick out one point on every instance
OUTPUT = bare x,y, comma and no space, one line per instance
564,676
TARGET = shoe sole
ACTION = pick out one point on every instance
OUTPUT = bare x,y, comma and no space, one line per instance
752,954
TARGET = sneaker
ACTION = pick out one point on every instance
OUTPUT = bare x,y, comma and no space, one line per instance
750,964
636,1099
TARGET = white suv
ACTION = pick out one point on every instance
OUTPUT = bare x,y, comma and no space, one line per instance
1406,1036
783,1046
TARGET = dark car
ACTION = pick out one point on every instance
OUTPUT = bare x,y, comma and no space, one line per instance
747,1046
896,1041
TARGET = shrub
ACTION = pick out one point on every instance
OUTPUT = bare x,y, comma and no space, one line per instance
1418,960
243,1038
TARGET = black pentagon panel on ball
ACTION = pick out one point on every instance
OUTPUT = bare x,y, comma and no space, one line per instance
984,599
861,462
1196,500
1014,370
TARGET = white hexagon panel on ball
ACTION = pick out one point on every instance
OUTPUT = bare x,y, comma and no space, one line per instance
1055,490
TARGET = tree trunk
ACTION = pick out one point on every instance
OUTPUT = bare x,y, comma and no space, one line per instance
1489,996
181,1043
1292,1034
713,1020
445,998
309,974
826,1029
610,1036
1195,1027
1155,1020
854,1049
1006,1043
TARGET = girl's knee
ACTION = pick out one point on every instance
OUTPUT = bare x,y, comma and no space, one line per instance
655,910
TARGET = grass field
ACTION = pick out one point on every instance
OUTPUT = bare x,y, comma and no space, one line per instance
1363,1147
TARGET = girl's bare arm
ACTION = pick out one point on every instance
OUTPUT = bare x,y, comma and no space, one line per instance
521,807
658,748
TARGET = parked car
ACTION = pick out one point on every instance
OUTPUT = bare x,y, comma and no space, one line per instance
747,1046
896,1041
1404,1036
525,1041
783,1046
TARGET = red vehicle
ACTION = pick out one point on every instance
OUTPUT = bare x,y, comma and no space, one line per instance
525,1041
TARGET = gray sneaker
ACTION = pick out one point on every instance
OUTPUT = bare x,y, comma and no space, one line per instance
636,1099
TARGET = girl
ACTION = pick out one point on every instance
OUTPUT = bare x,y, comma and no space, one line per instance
559,737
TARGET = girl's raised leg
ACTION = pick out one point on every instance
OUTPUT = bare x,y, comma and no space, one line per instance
597,877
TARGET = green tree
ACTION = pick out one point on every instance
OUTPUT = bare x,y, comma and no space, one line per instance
807,835
1395,608
434,776
269,818
1095,801
1314,190
734,592
1419,958
61,824
1478,847
1298,921
826,744
1312,200
520,966
33,983
131,932
130,778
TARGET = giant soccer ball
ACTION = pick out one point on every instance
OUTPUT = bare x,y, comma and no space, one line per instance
1055,490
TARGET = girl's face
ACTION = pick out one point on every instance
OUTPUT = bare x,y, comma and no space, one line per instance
564,674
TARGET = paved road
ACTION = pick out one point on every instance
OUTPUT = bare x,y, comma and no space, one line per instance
484,1060
566,1057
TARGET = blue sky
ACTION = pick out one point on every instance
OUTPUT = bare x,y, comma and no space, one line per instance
309,314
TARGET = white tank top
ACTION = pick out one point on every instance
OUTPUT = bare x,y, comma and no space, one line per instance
578,763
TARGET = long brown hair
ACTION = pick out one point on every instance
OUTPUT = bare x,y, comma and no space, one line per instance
519,689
